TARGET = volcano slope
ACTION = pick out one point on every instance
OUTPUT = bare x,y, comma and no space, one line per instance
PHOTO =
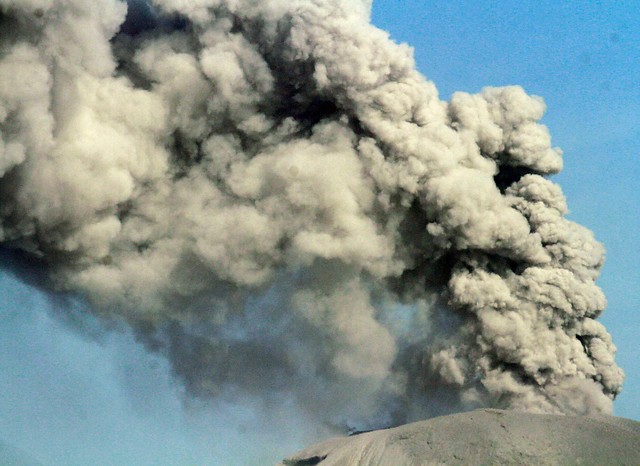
486,436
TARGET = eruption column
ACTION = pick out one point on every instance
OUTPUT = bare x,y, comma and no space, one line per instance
273,197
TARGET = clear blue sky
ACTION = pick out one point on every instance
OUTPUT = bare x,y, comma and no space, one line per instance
69,400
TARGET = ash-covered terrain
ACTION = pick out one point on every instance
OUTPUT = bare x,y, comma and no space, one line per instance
487,436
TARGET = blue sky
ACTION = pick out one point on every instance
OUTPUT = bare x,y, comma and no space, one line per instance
70,400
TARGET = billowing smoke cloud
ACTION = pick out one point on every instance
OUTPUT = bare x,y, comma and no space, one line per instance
272,196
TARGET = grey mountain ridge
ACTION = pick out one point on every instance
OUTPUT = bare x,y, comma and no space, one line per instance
487,436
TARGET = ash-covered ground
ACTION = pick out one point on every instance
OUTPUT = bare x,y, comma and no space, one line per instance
486,436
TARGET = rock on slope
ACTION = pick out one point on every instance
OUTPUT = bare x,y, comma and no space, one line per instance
485,436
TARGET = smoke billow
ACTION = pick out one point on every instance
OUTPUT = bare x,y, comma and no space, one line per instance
272,196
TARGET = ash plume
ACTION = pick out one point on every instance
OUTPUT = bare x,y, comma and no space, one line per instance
272,196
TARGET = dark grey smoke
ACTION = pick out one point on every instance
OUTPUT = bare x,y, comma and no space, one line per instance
272,196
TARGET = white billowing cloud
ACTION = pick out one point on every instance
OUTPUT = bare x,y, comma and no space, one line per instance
264,190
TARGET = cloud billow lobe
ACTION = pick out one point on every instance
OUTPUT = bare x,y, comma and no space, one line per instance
273,197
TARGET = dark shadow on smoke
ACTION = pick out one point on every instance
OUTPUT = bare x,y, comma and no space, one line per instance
25,267
140,17
509,175
142,21
143,17
67,308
